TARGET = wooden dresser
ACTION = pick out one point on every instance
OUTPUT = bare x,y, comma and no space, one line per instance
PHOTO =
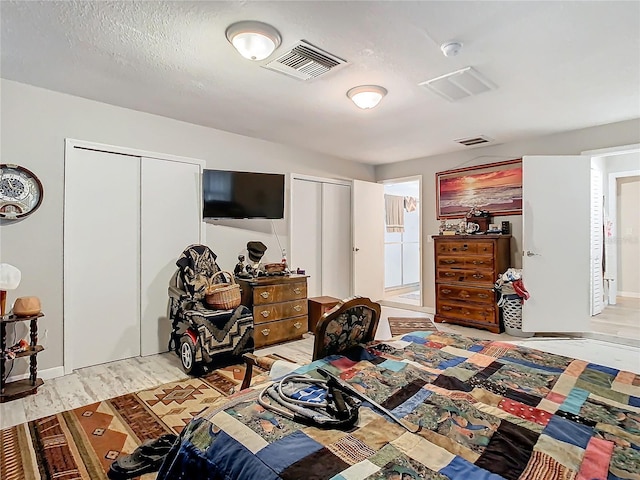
467,267
279,306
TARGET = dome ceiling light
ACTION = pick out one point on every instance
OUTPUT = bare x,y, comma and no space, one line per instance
367,96
253,40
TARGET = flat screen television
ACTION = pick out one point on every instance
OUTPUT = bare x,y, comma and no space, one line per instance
229,194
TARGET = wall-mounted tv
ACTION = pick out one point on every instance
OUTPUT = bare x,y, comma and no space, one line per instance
229,194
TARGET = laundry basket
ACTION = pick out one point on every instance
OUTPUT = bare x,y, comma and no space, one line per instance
511,305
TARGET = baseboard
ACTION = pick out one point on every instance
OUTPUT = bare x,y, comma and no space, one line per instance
629,294
46,374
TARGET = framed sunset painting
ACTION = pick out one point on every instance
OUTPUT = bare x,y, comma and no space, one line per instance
494,187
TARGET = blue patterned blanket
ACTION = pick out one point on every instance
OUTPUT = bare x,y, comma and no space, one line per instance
487,410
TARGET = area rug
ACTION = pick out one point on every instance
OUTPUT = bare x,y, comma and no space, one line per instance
402,325
411,296
82,443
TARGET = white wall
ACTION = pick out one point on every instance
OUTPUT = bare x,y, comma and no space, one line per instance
568,143
34,124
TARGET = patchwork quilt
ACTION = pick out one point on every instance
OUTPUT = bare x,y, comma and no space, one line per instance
487,410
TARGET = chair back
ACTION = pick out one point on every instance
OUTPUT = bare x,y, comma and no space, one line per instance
351,322
196,267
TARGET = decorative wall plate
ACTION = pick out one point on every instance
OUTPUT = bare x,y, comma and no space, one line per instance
20,192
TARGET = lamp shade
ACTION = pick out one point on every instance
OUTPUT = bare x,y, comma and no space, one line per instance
253,40
9,277
367,96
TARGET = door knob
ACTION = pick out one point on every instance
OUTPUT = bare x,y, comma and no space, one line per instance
356,249
529,253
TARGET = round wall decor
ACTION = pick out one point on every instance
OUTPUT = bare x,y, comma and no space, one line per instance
20,192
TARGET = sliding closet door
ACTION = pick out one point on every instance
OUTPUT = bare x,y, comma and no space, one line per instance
101,258
306,232
170,221
336,240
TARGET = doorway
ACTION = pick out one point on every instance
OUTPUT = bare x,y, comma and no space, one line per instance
620,280
402,242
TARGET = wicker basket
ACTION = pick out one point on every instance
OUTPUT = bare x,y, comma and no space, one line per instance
223,296
511,305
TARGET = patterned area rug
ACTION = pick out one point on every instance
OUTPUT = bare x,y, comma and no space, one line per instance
402,325
411,296
82,443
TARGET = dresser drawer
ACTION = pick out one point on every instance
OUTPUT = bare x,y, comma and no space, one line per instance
279,293
465,261
466,294
485,248
461,246
279,331
467,312
480,277
278,311
456,247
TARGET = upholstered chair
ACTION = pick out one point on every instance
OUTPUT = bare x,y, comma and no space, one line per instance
351,322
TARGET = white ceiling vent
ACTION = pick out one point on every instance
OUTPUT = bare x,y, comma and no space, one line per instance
470,142
460,84
306,62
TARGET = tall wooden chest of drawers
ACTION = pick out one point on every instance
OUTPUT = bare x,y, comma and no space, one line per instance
279,306
467,267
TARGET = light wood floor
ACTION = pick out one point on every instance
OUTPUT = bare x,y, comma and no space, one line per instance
100,382
621,319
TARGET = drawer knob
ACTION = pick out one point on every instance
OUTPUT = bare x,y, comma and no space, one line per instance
446,290
297,290
449,274
449,261
464,295
264,294
478,262
466,312
297,308
265,331
465,247
265,313
446,308
478,275
297,325
483,295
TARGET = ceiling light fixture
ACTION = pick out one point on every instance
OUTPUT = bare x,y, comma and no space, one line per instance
253,40
367,96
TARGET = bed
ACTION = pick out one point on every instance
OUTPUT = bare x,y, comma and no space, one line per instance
487,410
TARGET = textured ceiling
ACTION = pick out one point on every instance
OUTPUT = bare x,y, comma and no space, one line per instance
558,66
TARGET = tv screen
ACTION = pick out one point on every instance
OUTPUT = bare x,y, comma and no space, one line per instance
230,194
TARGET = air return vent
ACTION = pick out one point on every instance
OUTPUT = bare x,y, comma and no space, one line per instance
460,84
470,142
306,62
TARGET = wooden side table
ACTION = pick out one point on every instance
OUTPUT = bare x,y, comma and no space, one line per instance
317,307
20,388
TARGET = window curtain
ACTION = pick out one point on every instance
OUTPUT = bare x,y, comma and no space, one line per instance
394,210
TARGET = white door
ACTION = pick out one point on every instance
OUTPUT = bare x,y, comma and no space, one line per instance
556,243
597,242
101,258
306,232
336,240
367,200
171,216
